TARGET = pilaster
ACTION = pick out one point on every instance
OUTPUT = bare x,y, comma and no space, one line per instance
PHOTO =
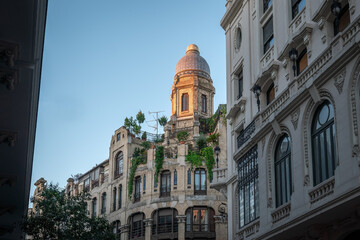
148,224
124,232
221,227
181,226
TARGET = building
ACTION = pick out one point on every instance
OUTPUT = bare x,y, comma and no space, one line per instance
293,116
22,25
180,204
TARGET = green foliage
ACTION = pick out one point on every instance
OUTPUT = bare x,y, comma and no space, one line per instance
163,120
182,136
140,117
208,124
135,162
213,139
159,159
146,145
206,155
144,136
64,217
201,142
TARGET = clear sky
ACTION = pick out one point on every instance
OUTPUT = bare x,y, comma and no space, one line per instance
105,60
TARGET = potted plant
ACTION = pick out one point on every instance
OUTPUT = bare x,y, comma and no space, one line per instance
182,136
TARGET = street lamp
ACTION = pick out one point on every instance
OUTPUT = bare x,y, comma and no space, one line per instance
293,55
217,151
336,9
257,90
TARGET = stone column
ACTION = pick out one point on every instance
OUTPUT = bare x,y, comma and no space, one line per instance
221,227
124,232
148,224
181,226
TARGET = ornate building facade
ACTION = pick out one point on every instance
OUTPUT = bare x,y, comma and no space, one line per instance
180,204
293,116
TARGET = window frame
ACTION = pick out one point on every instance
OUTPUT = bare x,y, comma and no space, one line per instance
208,227
103,203
137,190
94,207
165,191
120,197
269,41
203,103
119,164
185,102
266,5
201,172
298,60
295,7
114,198
268,91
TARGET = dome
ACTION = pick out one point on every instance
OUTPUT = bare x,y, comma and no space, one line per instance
192,61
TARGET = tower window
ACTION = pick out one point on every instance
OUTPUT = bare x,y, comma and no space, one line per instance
203,103
185,102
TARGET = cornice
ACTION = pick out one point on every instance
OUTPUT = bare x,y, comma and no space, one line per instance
230,15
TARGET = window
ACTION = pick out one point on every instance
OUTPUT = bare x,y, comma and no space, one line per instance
240,83
270,94
120,196
144,183
188,176
267,4
302,61
118,137
103,203
323,143
137,189
268,35
155,182
344,19
175,177
185,102
203,103
165,222
137,226
248,180
297,6
114,198
119,164
165,184
283,170
200,219
87,184
94,203
200,182
116,228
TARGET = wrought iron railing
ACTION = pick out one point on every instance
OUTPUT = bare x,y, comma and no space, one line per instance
165,191
137,232
245,134
200,227
151,137
164,228
137,197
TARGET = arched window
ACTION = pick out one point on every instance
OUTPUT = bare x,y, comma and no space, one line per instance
200,181
282,165
137,226
164,223
175,177
270,94
185,102
93,207
165,184
119,164
103,203
120,196
200,219
114,198
323,143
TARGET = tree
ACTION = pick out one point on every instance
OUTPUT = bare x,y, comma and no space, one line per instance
163,120
64,217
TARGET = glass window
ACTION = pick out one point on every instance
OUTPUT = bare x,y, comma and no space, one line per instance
189,176
165,184
267,4
120,196
144,183
203,103
268,35
200,182
118,137
155,182
248,180
270,94
323,143
283,170
164,221
185,102
240,83
87,183
103,203
297,6
114,198
200,219
137,226
94,203
137,189
175,177
344,20
119,164
302,61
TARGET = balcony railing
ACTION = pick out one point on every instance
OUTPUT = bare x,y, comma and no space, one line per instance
137,232
164,228
137,197
165,191
219,178
245,134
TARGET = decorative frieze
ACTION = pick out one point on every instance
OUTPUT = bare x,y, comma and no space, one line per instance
322,190
249,230
276,104
295,118
350,33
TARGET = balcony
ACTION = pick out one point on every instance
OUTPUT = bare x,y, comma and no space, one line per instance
298,22
219,179
245,134
137,197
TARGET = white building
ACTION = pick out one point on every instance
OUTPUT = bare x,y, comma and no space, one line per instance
293,151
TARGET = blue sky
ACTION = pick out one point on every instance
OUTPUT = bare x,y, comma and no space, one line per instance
106,60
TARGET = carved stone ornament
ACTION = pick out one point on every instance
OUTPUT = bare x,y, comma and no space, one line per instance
306,180
269,202
181,218
295,118
356,151
339,81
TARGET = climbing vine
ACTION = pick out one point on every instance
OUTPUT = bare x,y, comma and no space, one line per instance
137,159
159,159
206,155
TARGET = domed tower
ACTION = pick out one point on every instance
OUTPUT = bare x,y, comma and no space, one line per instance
192,91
